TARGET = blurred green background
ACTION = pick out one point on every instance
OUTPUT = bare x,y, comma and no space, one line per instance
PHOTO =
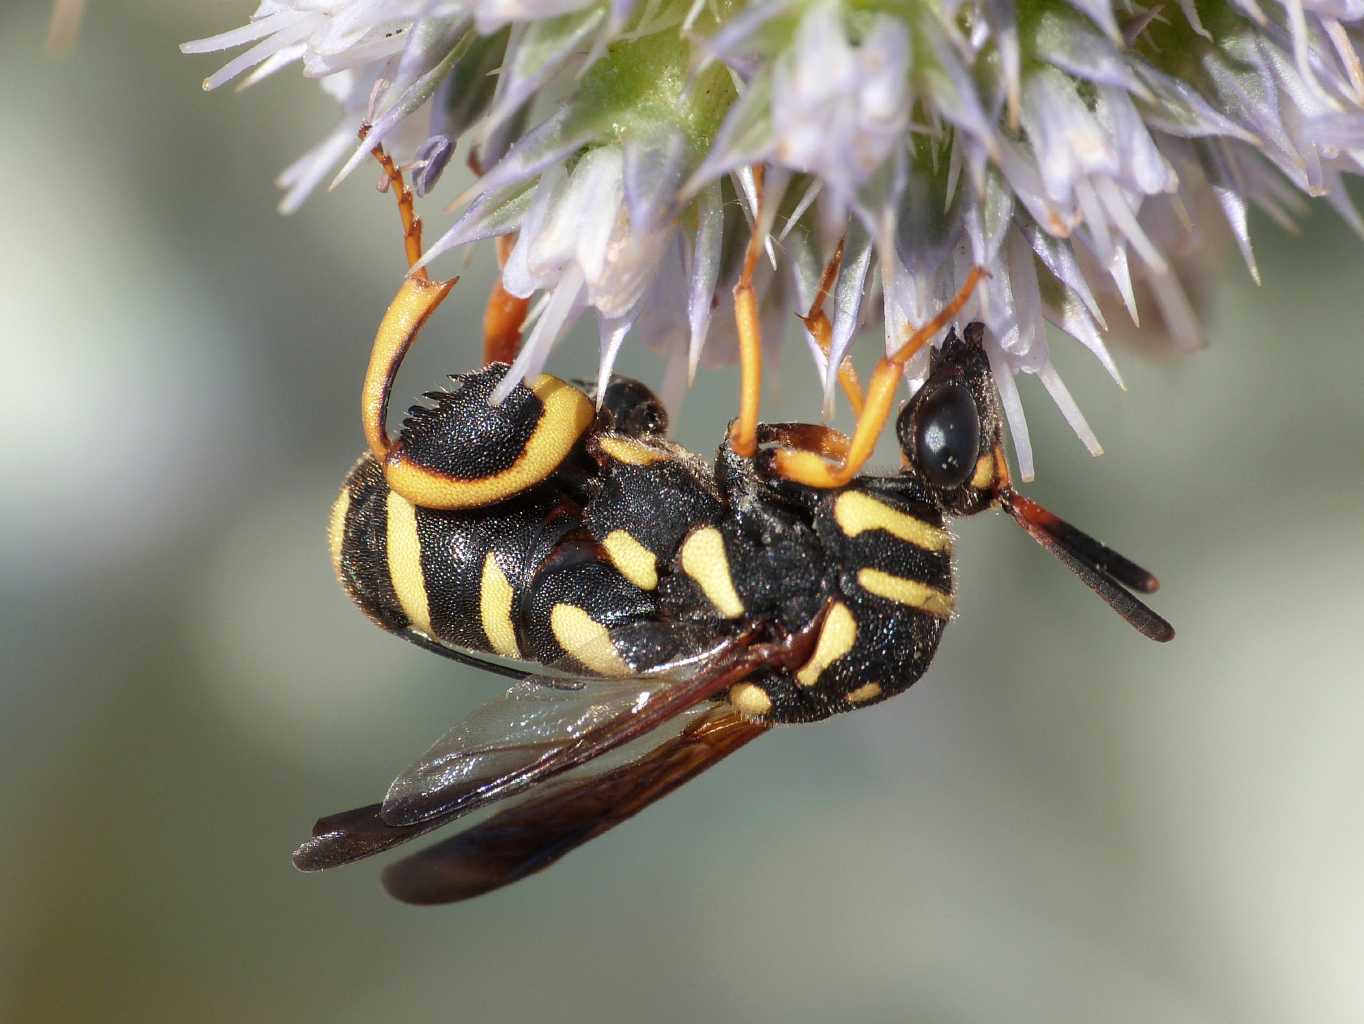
1062,822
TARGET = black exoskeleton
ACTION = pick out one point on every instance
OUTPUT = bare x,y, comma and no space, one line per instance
645,593
649,535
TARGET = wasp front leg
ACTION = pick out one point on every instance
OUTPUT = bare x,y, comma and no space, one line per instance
816,321
743,432
810,467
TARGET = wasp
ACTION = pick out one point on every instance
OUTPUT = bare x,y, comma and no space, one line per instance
658,611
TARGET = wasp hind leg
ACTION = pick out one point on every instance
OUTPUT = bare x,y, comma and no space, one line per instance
417,298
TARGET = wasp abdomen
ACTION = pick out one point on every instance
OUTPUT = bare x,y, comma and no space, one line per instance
458,577
358,537
651,493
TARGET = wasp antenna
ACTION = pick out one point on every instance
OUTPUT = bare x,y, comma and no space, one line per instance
1099,567
1093,552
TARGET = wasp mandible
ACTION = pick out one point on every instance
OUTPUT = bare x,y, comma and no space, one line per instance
658,611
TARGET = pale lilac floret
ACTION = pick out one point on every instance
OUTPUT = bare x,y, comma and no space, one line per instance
1075,155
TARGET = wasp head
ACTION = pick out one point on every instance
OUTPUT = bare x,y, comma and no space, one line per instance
951,432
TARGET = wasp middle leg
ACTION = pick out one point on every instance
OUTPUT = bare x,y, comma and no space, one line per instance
505,314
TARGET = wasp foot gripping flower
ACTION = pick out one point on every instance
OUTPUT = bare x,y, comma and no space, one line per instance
1070,147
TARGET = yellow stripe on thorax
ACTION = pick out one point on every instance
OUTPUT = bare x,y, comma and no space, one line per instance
836,638
903,591
566,415
632,559
586,639
405,562
494,609
705,561
856,512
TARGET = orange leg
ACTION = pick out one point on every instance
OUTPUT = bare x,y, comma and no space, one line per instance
743,434
809,467
412,225
416,300
504,315
817,323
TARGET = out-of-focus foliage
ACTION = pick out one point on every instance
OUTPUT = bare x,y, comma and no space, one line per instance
1062,822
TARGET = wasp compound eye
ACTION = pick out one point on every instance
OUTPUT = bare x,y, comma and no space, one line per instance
946,435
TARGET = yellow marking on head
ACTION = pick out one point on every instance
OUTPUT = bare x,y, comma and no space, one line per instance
336,527
984,475
405,562
864,693
750,700
586,639
566,415
836,638
856,513
494,609
705,561
631,451
902,591
632,559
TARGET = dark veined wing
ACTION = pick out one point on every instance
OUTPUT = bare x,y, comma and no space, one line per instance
533,733
353,835
550,822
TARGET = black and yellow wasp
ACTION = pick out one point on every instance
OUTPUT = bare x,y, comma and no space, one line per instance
659,611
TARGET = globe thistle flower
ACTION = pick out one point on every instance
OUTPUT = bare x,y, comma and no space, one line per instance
1070,147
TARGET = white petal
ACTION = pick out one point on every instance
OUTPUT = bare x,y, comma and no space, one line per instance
705,271
654,167
257,28
849,292
611,334
517,276
546,144
285,37
535,55
1071,316
564,307
489,216
1013,409
1060,394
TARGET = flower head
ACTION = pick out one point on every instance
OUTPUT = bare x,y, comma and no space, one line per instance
1069,147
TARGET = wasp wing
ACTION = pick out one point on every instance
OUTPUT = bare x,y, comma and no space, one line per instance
356,834
534,833
533,733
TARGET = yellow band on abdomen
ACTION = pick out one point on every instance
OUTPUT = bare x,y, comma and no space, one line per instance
405,561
